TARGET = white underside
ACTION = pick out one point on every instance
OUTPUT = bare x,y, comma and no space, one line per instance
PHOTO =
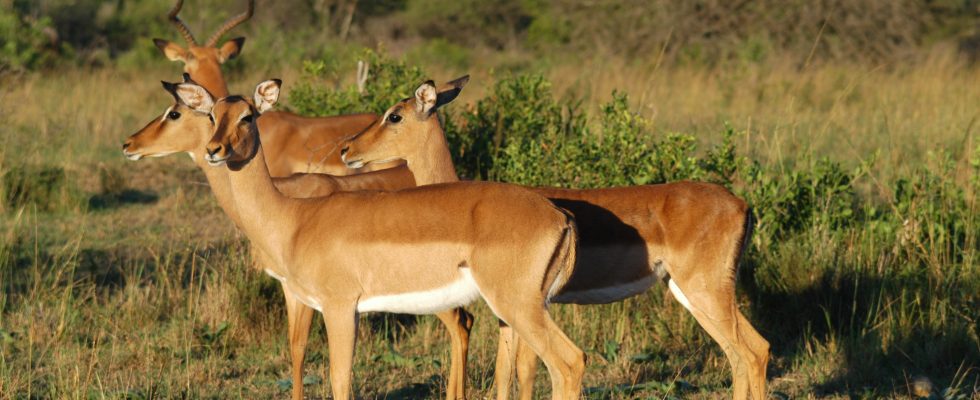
606,294
309,301
676,290
459,293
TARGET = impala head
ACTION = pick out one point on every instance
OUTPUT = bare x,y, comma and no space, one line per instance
204,62
234,137
403,128
180,129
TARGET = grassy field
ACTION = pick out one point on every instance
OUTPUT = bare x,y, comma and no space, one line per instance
125,280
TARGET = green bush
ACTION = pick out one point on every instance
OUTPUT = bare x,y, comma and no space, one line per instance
322,92
25,43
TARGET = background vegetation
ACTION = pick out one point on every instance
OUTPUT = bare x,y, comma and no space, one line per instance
849,126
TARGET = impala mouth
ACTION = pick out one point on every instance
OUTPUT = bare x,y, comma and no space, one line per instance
215,161
132,156
355,164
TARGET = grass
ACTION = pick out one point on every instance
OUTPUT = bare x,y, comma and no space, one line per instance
134,285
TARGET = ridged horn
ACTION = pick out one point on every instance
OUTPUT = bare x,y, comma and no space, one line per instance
233,22
181,26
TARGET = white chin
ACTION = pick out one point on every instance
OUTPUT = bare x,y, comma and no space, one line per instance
134,157
215,163
355,164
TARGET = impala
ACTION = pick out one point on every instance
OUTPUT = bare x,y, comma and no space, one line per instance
688,234
293,143
412,251
180,130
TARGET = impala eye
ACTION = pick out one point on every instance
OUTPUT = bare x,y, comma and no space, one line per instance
211,117
394,118
173,115
247,119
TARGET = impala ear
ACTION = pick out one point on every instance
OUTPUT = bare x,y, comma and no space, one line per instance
230,49
267,94
450,90
171,50
425,98
171,88
195,97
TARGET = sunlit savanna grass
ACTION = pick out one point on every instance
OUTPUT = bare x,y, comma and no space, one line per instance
152,294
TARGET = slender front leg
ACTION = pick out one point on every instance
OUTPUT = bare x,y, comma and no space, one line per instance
506,354
459,323
300,318
341,337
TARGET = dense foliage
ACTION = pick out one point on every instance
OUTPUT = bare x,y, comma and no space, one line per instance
95,31
879,252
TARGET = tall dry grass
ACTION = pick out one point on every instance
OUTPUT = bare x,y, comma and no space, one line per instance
150,299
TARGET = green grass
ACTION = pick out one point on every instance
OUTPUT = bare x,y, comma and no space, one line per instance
134,284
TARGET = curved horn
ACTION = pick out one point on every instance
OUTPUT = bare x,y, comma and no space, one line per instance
181,26
233,22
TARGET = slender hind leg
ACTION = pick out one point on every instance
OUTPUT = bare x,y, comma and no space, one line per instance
565,362
748,353
527,368
506,355
458,322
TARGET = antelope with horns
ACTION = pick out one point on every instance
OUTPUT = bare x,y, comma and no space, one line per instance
292,142
180,130
688,234
296,144
416,250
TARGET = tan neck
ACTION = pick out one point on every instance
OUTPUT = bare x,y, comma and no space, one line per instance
433,163
218,180
267,217
210,79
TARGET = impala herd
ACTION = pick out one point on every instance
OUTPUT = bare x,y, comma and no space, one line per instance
361,213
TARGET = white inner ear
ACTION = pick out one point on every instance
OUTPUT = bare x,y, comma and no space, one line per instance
195,97
266,94
425,98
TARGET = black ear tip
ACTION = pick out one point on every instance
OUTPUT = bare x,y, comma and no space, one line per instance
277,81
187,77
240,40
160,42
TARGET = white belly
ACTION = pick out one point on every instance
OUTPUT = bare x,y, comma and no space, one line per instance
459,293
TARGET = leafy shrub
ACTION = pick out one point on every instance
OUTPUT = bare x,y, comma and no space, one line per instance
25,43
518,109
321,92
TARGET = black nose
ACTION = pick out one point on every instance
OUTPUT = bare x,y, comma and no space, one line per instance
125,145
344,150
214,151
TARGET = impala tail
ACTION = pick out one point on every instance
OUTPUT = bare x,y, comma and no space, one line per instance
563,261
746,240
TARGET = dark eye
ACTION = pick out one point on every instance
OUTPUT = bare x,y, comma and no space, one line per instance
173,115
211,117
247,119
394,118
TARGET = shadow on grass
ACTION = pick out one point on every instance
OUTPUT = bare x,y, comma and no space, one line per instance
430,389
106,201
885,329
